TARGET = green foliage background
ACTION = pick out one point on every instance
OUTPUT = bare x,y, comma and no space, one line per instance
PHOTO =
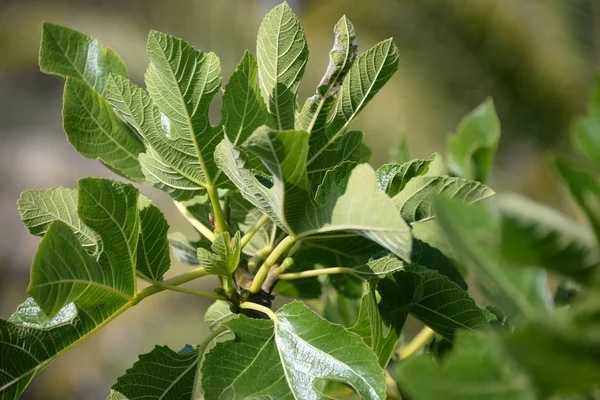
536,58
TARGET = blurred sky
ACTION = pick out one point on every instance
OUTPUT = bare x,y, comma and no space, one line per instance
536,58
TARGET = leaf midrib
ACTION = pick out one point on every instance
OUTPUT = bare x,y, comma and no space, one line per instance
188,117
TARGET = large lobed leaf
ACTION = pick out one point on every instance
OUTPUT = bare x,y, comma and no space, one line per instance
73,293
290,354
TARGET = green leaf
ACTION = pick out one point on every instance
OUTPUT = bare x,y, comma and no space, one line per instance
217,314
375,332
560,355
313,116
290,204
339,309
392,178
68,53
347,285
62,272
96,131
415,201
535,235
432,298
184,250
153,258
243,107
368,74
160,374
39,208
584,187
225,255
476,369
110,208
92,127
243,216
290,354
282,53
586,138
182,82
74,293
473,232
347,148
381,266
432,258
174,117
168,163
471,150
400,153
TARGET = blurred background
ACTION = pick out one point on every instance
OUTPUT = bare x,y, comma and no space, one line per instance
536,58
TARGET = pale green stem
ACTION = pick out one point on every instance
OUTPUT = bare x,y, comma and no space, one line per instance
261,275
220,221
416,343
316,272
248,305
201,293
200,227
255,228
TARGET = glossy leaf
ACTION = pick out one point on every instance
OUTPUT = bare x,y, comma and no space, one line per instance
471,150
415,201
476,369
282,53
290,354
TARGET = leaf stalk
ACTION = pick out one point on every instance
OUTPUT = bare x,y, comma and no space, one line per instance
262,273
